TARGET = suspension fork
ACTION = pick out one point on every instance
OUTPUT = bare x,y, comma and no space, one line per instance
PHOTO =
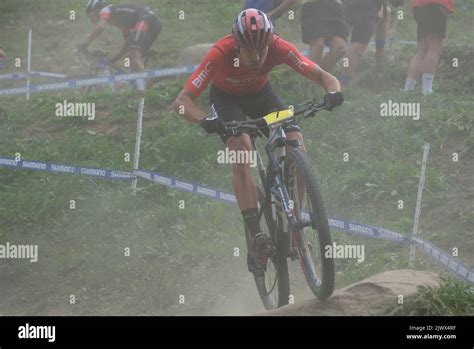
276,153
282,206
263,178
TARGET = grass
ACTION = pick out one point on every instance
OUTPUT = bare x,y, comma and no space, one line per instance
191,251
453,298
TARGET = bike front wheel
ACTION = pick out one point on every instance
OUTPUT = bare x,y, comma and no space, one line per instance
310,241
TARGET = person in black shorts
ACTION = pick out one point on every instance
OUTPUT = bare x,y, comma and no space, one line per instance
362,17
140,27
323,22
431,18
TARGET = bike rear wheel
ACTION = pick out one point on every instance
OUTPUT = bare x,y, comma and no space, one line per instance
310,242
274,285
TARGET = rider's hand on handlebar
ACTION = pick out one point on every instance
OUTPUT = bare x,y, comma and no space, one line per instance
333,99
212,124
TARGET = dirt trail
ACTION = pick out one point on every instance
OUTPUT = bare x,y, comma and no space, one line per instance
367,297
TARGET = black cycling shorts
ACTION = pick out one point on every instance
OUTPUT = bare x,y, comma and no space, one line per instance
323,19
361,15
145,32
238,108
431,19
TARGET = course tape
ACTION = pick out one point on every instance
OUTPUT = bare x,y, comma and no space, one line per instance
21,75
47,75
13,76
356,229
57,168
445,259
364,230
71,84
186,186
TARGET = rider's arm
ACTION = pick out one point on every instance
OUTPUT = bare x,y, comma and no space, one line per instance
126,47
281,8
187,108
196,84
99,28
328,81
306,67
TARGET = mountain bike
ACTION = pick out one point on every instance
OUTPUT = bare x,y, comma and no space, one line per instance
290,208
97,64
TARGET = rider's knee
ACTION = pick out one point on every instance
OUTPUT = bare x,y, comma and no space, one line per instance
297,137
241,142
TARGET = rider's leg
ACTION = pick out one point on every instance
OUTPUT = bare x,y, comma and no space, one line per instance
144,34
137,59
298,136
244,185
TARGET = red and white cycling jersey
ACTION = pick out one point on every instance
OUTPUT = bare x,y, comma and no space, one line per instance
219,67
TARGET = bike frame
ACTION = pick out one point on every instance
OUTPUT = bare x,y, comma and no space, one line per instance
276,193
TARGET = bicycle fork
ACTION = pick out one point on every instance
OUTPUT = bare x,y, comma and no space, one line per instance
281,204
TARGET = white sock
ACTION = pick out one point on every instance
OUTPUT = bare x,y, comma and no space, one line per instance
410,84
427,83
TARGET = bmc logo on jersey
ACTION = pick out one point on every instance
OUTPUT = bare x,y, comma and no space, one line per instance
299,63
199,80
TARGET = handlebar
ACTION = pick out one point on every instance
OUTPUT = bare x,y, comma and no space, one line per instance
274,118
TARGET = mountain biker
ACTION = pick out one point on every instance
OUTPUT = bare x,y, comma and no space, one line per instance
323,23
140,27
238,66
